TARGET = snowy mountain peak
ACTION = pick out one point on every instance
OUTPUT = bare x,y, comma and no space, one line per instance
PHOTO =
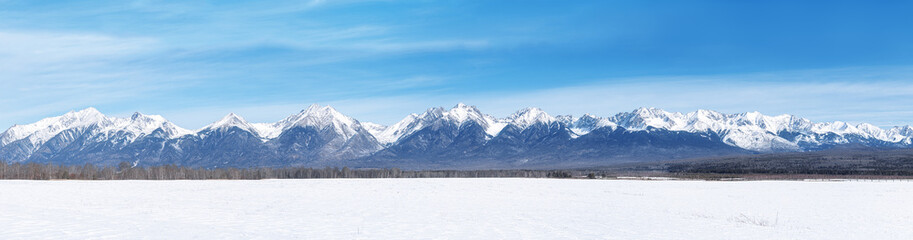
462,112
146,124
704,120
875,132
409,124
232,117
906,131
565,119
646,110
529,116
374,128
901,134
753,115
642,118
530,111
461,105
327,113
138,125
312,107
229,121
588,119
707,114
587,123
90,111
652,112
435,112
754,130
437,116
750,130
837,127
83,117
320,117
39,132
139,117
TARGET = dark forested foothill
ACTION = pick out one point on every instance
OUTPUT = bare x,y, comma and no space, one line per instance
125,171
832,162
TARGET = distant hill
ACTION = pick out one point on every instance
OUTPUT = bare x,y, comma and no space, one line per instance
853,160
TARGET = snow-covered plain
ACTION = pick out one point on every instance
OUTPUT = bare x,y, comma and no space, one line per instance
455,209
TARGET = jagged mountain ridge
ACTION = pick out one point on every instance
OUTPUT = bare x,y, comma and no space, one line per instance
459,137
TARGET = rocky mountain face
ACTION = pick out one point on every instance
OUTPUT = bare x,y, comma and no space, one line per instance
458,138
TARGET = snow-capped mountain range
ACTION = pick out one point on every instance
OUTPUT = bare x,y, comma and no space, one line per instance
458,137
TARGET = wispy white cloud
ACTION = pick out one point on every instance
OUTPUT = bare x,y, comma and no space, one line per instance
22,51
856,96
266,60
44,73
420,46
374,39
314,3
57,72
54,72
853,95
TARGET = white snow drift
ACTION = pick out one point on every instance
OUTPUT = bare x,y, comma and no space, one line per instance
454,209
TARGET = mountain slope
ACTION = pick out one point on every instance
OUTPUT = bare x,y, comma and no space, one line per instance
76,134
460,137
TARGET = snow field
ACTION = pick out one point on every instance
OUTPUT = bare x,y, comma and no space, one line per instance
454,209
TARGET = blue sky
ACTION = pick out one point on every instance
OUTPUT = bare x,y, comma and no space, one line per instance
195,61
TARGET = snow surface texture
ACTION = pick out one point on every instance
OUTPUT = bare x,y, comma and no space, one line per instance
752,131
454,209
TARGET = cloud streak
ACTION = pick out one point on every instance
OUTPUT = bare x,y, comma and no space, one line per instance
857,97
45,72
36,51
380,60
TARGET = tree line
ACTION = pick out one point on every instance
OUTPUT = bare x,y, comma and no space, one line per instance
849,162
126,171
